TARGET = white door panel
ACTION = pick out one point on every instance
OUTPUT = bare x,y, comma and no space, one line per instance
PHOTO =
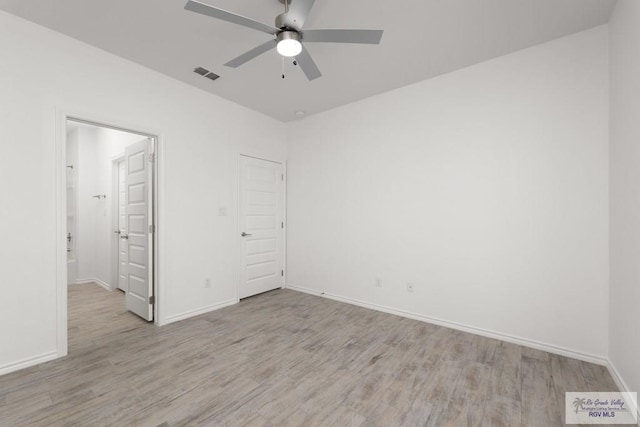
261,216
136,237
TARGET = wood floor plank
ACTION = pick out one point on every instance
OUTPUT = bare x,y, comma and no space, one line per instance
539,402
501,412
286,359
467,402
505,381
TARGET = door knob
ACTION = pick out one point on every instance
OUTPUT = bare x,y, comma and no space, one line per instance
117,232
124,236
245,234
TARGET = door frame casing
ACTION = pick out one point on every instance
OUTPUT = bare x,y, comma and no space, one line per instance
62,116
239,220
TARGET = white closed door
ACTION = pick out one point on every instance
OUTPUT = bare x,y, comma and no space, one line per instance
261,226
122,226
138,236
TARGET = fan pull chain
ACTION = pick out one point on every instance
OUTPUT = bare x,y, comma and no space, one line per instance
283,67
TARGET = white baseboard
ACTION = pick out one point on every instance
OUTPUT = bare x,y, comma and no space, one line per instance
93,280
622,385
30,361
562,351
199,311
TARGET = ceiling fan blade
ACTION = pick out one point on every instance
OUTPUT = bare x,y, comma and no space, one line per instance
214,12
298,11
309,67
342,36
248,56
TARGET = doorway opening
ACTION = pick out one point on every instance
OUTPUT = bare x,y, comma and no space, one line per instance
110,229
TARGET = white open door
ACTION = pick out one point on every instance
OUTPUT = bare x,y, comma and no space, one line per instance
261,226
138,235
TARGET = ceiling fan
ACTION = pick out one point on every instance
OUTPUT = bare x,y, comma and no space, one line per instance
288,34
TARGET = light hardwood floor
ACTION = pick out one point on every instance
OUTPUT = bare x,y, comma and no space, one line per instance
286,358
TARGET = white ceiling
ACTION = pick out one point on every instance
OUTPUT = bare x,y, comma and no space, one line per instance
422,39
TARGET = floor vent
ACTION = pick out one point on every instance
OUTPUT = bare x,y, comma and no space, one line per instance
206,73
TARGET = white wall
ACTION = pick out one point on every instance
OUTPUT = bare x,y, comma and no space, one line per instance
486,188
201,137
97,147
624,351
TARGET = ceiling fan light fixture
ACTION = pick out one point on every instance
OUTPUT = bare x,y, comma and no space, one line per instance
289,44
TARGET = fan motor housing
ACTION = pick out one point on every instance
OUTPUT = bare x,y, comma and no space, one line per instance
285,21
282,22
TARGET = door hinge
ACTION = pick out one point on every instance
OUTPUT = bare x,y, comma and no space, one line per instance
282,273
281,177
152,299
282,225
152,157
152,229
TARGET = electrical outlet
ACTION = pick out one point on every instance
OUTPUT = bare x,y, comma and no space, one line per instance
207,283
409,287
378,282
